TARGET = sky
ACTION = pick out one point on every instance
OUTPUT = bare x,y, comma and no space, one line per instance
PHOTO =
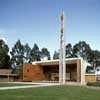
38,21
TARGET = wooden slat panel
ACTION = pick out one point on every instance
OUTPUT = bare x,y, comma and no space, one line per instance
90,78
78,70
32,72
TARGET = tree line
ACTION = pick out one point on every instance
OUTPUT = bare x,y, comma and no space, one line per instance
81,49
21,54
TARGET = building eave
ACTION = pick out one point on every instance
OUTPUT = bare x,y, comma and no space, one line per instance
55,62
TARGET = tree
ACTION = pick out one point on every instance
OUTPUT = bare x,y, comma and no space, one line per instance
56,55
82,49
17,56
4,57
35,53
69,51
27,52
45,53
95,58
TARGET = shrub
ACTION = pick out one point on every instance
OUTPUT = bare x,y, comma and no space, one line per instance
97,84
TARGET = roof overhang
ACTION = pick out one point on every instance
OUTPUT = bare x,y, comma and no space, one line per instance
56,62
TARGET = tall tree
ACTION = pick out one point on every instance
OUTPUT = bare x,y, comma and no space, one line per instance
94,58
45,53
17,55
27,52
35,53
82,49
56,55
4,57
69,51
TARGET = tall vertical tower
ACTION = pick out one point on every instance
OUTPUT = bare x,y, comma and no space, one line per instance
62,63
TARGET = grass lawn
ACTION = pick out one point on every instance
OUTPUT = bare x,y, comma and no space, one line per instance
51,93
11,84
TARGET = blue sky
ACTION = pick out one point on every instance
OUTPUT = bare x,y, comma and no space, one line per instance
37,21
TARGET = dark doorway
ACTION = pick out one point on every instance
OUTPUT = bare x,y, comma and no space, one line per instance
71,74
51,72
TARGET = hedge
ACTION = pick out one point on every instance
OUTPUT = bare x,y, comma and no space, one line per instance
96,84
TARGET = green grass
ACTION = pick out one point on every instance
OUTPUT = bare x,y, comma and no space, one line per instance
51,93
11,84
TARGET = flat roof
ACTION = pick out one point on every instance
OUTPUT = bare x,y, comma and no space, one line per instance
56,62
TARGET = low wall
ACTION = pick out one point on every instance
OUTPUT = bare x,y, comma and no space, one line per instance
5,71
8,79
90,78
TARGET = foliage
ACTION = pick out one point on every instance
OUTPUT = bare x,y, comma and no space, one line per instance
17,54
27,52
4,57
95,58
97,84
82,49
21,54
56,55
69,51
90,69
35,53
45,53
